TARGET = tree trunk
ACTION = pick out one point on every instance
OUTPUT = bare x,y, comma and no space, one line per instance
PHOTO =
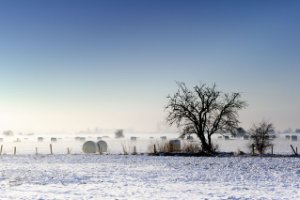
211,150
206,146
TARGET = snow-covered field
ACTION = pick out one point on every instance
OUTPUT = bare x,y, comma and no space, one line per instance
147,177
113,176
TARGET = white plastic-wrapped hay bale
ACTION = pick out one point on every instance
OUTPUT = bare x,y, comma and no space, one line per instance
175,145
89,147
102,146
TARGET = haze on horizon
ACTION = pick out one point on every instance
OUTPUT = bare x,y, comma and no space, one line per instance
71,65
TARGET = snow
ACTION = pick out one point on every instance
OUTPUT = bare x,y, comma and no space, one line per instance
147,177
113,176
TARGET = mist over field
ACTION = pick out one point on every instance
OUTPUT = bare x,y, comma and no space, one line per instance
138,99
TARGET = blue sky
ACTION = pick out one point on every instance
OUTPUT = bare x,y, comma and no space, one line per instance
70,65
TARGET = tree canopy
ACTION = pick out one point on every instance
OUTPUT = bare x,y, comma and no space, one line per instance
204,110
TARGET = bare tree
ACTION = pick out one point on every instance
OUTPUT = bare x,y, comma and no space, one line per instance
204,110
261,136
238,132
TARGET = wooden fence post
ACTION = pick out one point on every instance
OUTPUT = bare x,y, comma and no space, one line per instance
51,152
295,151
1,149
36,151
134,150
15,150
272,149
252,149
154,149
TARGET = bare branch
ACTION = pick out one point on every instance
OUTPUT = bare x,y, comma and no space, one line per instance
204,110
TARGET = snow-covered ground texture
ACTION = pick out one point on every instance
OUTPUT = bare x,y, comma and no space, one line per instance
148,177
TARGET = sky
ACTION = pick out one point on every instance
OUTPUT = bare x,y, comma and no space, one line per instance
72,65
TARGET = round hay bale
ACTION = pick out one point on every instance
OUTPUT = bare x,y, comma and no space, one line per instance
89,147
102,146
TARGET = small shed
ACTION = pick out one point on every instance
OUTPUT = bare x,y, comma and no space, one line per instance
89,147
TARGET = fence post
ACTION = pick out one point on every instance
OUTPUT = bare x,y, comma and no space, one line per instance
272,149
1,149
15,150
51,152
134,150
68,150
295,151
252,149
36,151
154,149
